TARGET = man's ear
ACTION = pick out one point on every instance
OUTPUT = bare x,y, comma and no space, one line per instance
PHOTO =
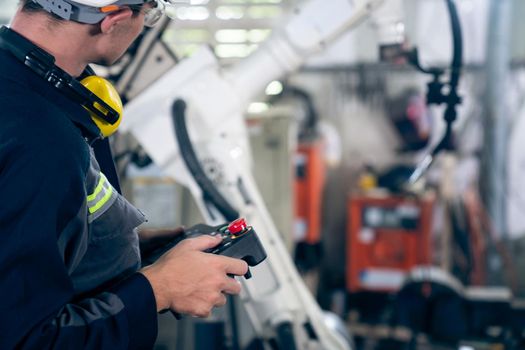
112,19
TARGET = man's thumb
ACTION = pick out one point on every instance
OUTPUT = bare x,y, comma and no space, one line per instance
205,242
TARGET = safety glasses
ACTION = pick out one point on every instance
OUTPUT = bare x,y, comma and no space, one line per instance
152,10
158,8
152,15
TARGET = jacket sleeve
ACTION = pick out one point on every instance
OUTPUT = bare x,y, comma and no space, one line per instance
41,190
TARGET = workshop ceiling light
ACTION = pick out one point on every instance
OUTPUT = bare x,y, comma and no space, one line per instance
258,35
231,35
260,12
229,12
258,107
274,88
234,50
192,13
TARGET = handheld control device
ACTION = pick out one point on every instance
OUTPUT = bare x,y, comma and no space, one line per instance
238,241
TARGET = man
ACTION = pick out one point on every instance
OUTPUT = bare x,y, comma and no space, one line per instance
68,248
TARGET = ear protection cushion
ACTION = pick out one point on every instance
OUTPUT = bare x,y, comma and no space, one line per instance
107,93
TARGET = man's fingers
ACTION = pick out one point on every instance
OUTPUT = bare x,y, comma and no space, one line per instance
231,286
234,266
231,266
203,242
221,300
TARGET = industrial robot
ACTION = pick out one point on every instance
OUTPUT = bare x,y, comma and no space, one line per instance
190,122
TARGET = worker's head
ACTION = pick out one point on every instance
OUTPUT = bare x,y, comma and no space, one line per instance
104,28
94,11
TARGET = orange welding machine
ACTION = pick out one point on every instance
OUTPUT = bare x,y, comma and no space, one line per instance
386,237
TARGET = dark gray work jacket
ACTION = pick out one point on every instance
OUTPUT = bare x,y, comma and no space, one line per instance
112,249
68,246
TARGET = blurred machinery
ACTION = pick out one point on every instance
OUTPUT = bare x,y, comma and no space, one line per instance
273,139
309,179
308,191
211,156
387,237
433,303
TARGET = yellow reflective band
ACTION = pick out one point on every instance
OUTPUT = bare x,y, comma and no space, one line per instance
102,201
98,188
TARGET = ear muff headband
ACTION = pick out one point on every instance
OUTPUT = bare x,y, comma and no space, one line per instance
43,64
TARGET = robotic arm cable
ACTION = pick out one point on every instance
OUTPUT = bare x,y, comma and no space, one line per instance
210,192
435,93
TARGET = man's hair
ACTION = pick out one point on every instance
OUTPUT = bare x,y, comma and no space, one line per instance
30,6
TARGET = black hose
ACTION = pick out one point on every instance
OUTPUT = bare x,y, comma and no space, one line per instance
232,309
453,99
209,191
457,35
435,94
285,336
309,126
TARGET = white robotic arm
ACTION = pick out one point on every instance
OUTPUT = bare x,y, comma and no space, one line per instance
216,99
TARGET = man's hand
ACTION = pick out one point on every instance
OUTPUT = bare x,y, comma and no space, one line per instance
187,280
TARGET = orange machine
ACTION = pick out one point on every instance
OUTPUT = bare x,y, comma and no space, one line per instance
386,237
309,184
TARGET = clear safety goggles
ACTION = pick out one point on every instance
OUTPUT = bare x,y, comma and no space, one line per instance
154,9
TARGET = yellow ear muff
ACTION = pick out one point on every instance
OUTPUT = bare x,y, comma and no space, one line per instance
107,93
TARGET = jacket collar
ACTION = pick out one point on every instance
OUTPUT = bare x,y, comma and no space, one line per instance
14,70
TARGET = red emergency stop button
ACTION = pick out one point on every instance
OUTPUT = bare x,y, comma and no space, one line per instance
237,226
